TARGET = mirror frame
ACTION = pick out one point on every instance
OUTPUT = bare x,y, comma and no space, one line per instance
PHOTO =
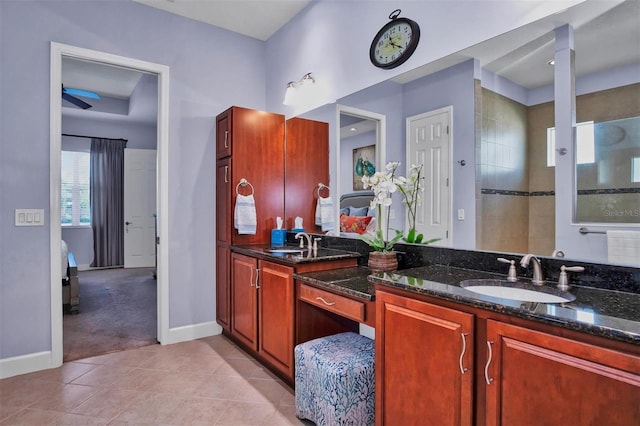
381,146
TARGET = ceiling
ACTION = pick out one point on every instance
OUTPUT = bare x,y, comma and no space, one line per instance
513,55
254,18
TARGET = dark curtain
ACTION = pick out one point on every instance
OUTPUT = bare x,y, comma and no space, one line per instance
107,201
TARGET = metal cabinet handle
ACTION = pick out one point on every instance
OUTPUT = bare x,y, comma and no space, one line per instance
464,349
251,278
325,302
226,139
226,174
486,367
257,278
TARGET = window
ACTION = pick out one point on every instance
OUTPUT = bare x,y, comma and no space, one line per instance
585,144
635,169
74,191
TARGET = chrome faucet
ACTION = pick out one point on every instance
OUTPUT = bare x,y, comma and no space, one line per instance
301,236
537,271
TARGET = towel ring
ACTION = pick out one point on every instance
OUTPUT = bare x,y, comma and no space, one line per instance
243,182
320,187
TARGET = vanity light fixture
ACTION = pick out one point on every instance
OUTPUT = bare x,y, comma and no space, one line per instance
290,94
295,89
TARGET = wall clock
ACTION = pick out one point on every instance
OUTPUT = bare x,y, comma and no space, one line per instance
395,42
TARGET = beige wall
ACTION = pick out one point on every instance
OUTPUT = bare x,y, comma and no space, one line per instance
503,168
513,157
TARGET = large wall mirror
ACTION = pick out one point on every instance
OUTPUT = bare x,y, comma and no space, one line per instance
502,96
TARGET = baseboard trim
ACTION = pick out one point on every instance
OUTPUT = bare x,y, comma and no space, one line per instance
23,364
192,332
37,361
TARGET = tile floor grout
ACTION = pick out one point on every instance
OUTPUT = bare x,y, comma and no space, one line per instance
208,381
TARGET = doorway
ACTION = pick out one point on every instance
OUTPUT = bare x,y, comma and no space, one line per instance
58,52
429,144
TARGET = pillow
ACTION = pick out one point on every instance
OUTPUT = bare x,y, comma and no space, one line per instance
357,224
344,210
358,211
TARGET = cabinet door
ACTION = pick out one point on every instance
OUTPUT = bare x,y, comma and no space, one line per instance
276,309
223,286
306,165
224,216
424,359
244,299
542,379
223,135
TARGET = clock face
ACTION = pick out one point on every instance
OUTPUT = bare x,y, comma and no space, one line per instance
394,43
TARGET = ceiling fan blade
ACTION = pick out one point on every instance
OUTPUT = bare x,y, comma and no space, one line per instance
77,102
80,92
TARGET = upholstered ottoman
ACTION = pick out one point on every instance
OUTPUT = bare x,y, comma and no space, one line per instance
335,380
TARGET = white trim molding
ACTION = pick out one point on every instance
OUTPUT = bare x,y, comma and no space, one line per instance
192,332
23,364
58,51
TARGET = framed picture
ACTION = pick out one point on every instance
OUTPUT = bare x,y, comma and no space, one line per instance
364,164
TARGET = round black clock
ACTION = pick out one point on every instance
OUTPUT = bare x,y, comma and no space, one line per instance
395,42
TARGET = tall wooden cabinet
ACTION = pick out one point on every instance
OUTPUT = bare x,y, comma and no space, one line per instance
255,302
306,165
250,146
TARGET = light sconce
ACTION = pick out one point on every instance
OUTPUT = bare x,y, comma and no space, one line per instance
295,89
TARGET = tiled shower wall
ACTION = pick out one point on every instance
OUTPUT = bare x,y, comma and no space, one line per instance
516,209
503,175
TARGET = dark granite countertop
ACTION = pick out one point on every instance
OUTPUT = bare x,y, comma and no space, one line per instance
348,281
322,255
606,313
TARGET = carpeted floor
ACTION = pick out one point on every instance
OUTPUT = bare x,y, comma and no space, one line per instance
117,311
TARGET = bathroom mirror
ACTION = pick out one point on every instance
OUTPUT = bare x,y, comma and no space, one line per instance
504,54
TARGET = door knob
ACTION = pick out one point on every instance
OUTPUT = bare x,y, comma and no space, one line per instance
128,223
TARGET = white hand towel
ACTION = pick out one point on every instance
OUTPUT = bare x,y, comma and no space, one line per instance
244,218
624,247
324,213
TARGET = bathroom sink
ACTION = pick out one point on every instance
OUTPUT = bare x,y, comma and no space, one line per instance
520,291
284,250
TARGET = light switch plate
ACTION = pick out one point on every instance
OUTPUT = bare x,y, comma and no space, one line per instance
29,217
460,214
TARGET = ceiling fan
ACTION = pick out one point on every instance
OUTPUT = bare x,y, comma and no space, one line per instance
70,95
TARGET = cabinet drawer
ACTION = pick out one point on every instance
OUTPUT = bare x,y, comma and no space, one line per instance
332,302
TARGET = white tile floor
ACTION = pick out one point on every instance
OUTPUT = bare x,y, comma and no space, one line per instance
208,381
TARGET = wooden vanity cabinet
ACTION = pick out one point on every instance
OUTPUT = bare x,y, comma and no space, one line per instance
263,308
516,372
539,378
249,145
276,316
424,355
262,314
263,304
244,300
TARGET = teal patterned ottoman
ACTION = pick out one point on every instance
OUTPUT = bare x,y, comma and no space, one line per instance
335,380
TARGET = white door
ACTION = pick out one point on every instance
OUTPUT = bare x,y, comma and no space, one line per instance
428,143
139,208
